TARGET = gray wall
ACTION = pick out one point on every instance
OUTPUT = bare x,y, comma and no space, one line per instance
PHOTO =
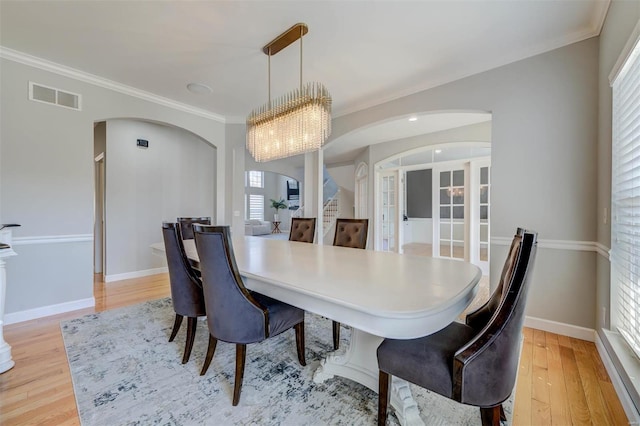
544,140
47,180
173,177
343,175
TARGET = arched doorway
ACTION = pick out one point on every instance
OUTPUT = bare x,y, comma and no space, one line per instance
435,200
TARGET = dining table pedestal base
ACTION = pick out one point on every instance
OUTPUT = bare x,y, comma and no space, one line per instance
360,364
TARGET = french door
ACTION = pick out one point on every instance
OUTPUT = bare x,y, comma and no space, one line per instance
451,201
461,200
389,214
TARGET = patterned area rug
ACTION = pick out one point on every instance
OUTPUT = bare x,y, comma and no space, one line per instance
126,373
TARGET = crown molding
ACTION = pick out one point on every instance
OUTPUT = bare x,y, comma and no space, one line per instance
600,15
65,71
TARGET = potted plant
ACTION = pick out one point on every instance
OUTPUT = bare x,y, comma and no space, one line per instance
275,204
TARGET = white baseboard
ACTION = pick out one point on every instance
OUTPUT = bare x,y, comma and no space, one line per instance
561,328
46,311
135,274
627,404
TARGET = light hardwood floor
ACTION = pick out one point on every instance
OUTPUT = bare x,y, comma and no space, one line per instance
561,381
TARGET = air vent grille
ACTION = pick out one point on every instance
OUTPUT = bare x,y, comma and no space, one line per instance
53,96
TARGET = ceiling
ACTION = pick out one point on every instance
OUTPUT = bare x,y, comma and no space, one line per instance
365,52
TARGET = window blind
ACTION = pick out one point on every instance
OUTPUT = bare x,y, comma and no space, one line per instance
625,202
256,207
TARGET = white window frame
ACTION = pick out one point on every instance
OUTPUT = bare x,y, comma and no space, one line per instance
255,207
255,179
625,196
254,191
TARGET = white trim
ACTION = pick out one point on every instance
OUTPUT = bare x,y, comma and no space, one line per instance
634,38
52,239
627,404
135,274
564,329
593,246
603,251
46,311
33,61
600,15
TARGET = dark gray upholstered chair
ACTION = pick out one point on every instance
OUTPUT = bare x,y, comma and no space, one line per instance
186,288
349,233
187,222
303,229
481,316
473,367
236,315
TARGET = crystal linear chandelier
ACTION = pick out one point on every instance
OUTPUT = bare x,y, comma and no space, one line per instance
295,123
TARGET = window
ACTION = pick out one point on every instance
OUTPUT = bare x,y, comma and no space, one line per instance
254,195
255,179
256,207
625,202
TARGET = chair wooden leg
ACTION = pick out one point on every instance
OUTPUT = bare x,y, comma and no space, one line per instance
299,328
383,397
176,327
211,349
241,355
490,416
336,335
503,416
192,325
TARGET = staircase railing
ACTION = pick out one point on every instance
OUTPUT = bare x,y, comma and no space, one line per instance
330,213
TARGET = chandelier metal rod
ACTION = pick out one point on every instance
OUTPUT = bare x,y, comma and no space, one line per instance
269,73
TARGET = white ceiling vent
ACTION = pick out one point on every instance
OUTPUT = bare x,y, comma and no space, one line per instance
51,95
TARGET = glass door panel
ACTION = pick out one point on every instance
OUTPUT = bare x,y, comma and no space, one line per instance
452,226
485,188
389,206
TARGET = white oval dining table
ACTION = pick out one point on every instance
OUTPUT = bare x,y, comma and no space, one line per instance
378,294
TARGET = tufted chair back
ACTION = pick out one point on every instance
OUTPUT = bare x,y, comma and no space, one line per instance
303,229
187,222
351,233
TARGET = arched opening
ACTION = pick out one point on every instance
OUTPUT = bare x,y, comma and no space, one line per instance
271,199
435,201
146,173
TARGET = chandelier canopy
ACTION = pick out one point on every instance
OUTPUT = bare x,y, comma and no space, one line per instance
292,124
